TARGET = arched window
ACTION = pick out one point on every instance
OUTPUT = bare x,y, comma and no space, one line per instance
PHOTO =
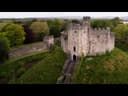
75,31
74,48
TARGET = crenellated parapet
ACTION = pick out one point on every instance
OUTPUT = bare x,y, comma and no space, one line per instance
80,39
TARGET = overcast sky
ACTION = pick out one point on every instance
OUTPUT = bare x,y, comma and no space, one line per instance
59,14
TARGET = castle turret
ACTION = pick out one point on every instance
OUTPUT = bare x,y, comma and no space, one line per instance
86,21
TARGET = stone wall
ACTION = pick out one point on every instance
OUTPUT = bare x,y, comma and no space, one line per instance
99,41
80,39
49,41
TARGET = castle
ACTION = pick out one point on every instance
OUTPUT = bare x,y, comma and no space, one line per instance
79,39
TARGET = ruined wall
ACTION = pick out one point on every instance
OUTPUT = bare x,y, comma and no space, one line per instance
49,40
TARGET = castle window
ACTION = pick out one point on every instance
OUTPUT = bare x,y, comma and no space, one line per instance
65,38
88,29
74,48
75,31
98,36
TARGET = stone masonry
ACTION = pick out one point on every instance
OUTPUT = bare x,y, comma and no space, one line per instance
79,39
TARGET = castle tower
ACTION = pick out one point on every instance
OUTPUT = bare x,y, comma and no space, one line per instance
81,40
73,40
86,21
85,35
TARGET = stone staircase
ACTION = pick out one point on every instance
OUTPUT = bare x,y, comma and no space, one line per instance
67,72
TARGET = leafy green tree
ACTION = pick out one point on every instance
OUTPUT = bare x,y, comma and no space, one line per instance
102,23
116,21
121,32
5,39
4,48
55,26
40,29
15,33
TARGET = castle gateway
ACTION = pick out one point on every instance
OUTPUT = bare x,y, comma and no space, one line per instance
81,40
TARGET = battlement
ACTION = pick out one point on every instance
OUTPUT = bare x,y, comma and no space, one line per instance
86,18
100,29
81,39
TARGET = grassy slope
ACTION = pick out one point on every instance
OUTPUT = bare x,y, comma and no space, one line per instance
16,67
111,68
47,70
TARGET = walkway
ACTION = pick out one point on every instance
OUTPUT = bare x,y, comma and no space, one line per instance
67,72
27,49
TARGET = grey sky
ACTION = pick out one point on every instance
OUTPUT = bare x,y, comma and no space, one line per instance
59,14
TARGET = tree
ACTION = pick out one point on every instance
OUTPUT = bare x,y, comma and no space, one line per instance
29,36
115,22
15,33
5,39
121,32
4,48
40,28
55,26
102,23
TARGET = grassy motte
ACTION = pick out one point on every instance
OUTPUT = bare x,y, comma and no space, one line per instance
111,68
14,68
47,70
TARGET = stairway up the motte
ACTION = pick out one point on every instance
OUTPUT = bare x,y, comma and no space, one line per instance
67,72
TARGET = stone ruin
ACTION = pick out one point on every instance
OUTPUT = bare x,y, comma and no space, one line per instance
49,41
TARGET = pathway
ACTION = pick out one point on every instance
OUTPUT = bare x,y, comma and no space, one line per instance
27,49
67,72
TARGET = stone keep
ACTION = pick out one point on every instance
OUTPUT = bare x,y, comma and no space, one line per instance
79,39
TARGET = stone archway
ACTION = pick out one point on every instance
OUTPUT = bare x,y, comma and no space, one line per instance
74,57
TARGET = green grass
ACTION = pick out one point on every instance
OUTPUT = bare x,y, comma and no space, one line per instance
111,68
14,68
46,71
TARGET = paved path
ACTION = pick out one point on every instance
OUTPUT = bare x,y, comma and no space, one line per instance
67,72
27,49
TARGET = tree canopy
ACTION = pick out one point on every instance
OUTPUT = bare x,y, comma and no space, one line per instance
15,33
38,27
